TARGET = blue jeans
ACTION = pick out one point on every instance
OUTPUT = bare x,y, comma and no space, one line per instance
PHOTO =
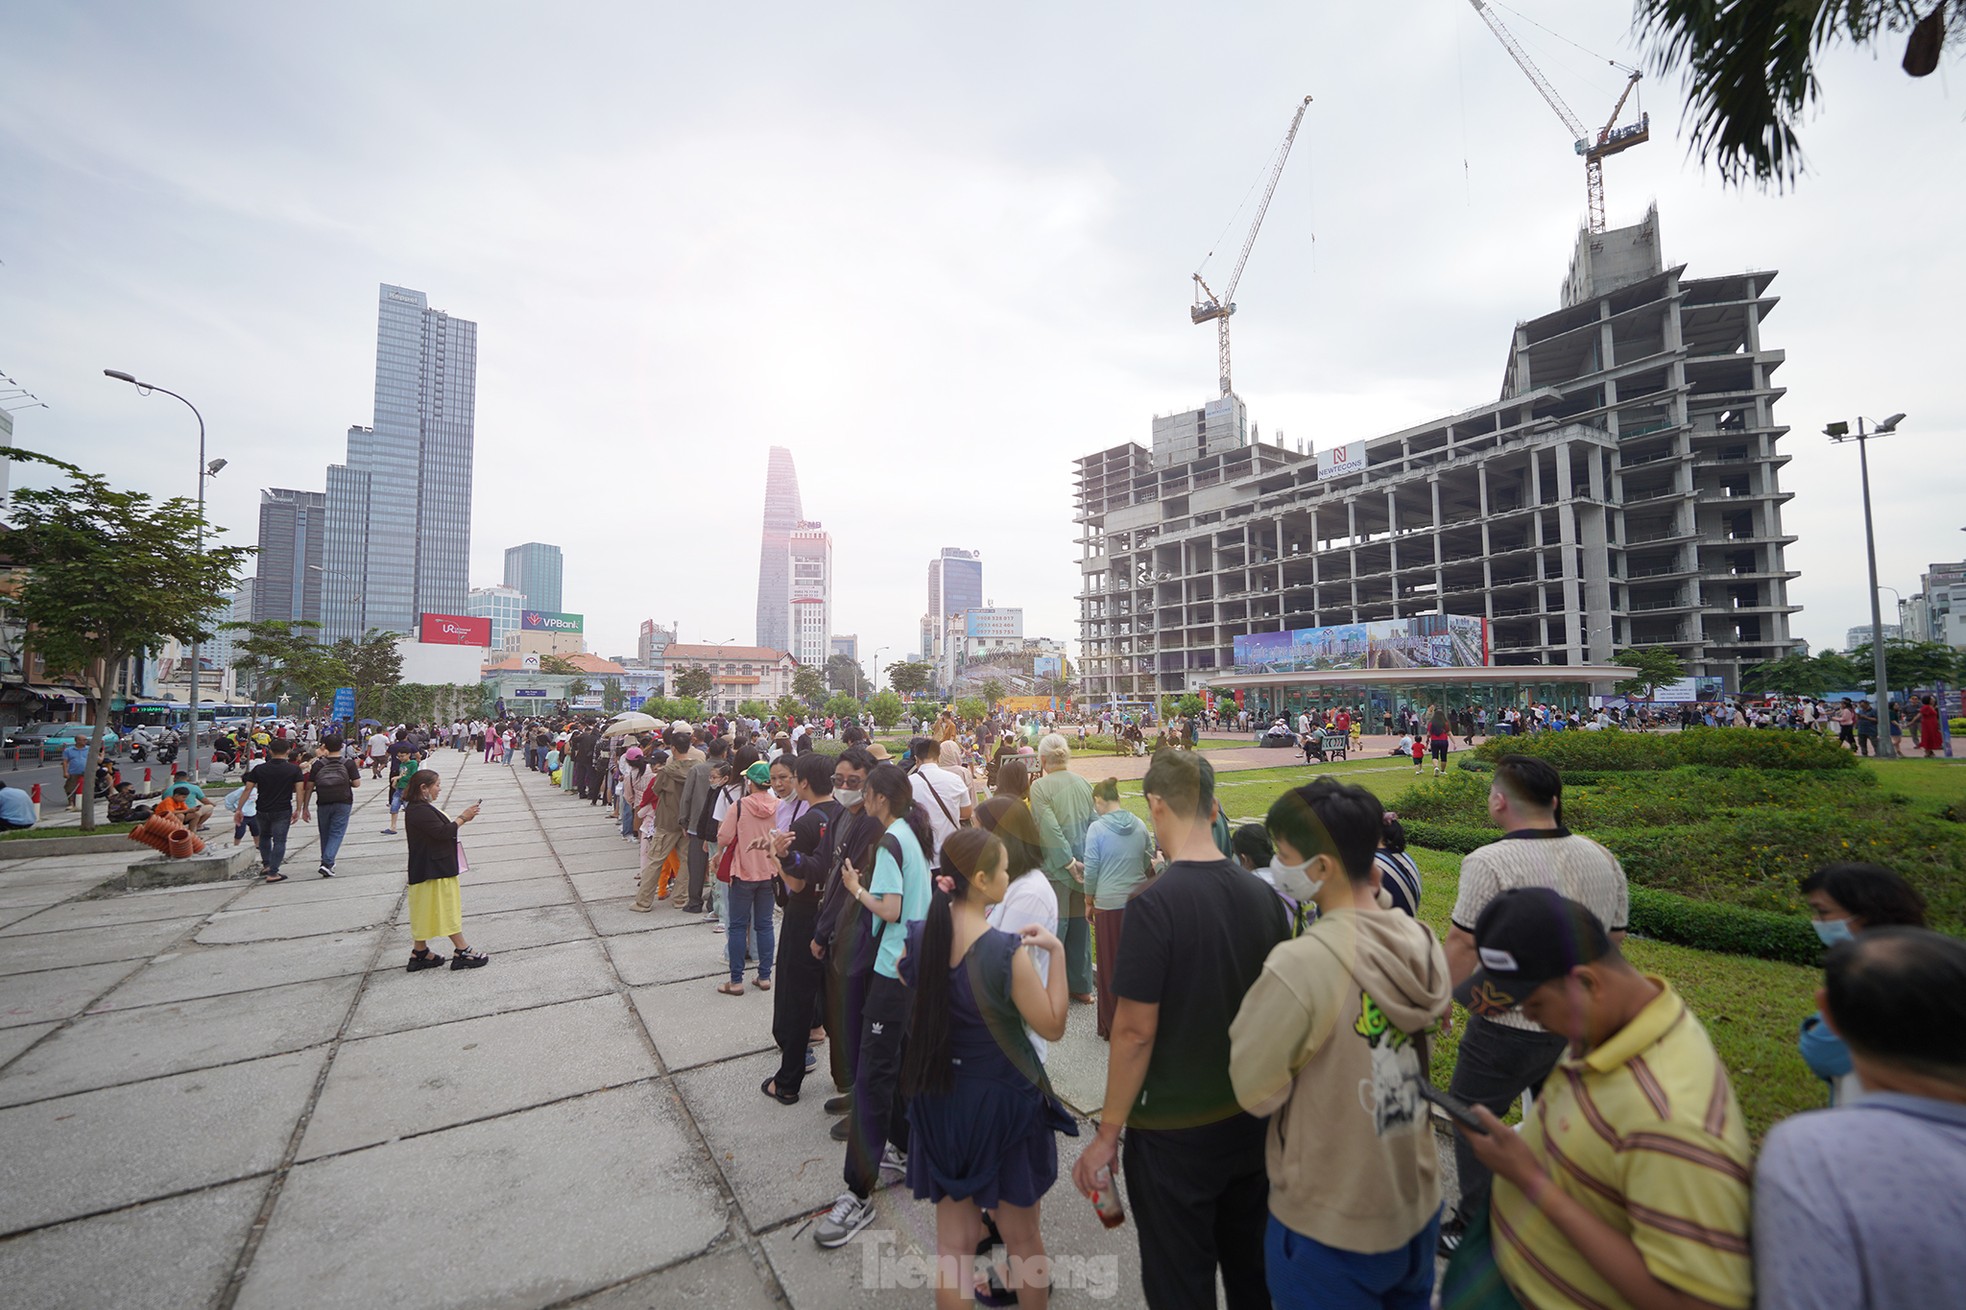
750,907
333,817
1304,1273
273,838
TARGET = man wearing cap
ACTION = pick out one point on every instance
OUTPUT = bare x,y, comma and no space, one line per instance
1504,1053
1628,1181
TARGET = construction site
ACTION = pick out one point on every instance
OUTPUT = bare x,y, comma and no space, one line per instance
1622,490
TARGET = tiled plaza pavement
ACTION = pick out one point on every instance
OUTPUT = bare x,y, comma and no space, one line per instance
233,1094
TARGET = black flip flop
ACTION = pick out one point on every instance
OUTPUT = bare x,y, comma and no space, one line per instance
783,1098
273,877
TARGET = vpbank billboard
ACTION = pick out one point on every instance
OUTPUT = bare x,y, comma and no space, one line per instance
548,621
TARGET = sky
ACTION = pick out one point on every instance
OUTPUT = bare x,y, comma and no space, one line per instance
937,252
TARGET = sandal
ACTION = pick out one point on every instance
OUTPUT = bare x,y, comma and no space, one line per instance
424,959
762,984
273,877
731,989
769,1088
467,957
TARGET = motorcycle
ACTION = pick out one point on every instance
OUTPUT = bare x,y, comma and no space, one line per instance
136,750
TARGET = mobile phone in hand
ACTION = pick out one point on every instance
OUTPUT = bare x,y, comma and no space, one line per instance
1457,1109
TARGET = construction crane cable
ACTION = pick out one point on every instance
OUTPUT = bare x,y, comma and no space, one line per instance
1560,36
1242,207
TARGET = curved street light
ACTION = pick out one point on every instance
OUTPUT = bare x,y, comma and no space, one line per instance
205,470
1840,432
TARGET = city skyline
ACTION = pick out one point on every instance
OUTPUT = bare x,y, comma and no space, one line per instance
1370,303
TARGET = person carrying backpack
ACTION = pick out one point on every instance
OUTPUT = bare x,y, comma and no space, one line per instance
330,782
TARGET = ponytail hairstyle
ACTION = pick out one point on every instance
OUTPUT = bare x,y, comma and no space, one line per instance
889,781
1394,838
925,1065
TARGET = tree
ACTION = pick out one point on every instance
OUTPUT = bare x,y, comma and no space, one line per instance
1191,706
613,699
993,692
111,576
886,708
753,708
694,682
1794,674
1908,665
1652,667
809,685
843,673
791,707
577,688
559,665
1749,68
374,665
909,677
275,655
842,707
971,709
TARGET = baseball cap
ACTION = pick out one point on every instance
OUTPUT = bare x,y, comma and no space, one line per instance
759,772
1524,939
632,754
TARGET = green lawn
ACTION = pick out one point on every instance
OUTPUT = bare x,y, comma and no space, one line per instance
1931,784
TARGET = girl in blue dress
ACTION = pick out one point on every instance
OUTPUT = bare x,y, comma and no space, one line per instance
982,1119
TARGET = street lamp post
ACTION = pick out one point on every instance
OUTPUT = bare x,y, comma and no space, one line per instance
1839,432
205,470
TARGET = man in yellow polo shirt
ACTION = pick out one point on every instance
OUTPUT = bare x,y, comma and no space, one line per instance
1628,1182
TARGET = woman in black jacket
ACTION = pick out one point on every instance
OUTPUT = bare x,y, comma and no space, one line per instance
436,909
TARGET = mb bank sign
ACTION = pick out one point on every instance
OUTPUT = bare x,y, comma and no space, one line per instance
547,621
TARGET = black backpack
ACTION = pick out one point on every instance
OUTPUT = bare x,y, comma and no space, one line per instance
331,781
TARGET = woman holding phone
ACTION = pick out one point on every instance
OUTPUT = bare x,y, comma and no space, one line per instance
436,859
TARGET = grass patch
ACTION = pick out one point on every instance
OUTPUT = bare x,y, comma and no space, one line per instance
56,834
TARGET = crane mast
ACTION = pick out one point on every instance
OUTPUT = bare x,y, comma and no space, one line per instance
1207,304
1610,139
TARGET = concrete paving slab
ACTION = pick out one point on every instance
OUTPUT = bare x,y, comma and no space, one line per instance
777,1158
498,897
127,941
123,1046
625,857
264,923
215,970
162,1256
167,903
725,1279
661,957
57,993
15,1040
692,1024
74,1155
305,885
600,841
612,917
522,1210
514,980
13,914
514,930
606,885
38,897
428,1078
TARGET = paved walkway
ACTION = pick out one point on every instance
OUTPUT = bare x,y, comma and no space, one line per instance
233,1095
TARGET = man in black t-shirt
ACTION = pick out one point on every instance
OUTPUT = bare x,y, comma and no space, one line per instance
1196,939
273,781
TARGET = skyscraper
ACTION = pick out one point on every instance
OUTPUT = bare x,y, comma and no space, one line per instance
291,560
536,569
809,623
955,585
503,606
782,515
398,534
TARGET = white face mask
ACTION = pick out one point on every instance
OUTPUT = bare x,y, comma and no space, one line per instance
1291,879
850,799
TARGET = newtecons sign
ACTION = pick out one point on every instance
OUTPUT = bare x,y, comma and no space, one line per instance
547,621
455,630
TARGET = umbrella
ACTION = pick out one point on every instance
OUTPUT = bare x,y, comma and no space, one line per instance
368,723
629,723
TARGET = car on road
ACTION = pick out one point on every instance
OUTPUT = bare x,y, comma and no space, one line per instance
51,737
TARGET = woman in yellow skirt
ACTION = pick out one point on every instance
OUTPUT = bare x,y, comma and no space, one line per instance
436,909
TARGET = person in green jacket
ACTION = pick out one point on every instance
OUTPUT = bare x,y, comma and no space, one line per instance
1118,861
1061,802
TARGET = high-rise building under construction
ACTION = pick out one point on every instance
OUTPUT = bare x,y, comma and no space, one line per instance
1622,491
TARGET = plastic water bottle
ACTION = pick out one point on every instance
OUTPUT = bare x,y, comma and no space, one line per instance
1106,1200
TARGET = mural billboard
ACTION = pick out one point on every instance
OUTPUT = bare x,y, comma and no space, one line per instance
1431,641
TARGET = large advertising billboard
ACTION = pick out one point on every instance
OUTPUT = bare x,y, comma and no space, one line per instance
548,621
455,630
1432,641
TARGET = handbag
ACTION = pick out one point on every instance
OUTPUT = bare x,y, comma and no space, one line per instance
725,861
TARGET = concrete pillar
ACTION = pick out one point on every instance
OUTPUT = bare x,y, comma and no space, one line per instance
1392,546
1573,599
1487,551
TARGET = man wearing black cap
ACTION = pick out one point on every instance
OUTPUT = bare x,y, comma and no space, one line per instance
1628,1182
1505,1053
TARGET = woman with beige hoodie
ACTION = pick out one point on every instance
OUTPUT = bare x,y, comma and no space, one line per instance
1331,1043
748,825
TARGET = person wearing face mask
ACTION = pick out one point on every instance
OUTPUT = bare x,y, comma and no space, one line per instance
1844,900
1330,1045
1629,1183
840,937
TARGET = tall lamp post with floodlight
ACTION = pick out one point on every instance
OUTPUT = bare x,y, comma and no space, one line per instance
1840,432
205,470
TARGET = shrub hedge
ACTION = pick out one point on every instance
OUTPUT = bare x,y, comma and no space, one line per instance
1614,749
1733,929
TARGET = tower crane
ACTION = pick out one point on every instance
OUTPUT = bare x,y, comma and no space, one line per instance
1610,138
1207,304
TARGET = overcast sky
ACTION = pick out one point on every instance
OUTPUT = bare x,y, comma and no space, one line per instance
936,252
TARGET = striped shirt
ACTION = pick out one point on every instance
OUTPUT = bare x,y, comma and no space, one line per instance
1576,867
1645,1133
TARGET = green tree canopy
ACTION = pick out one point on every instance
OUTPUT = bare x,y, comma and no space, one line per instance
1652,667
694,682
1908,665
843,673
993,692
909,677
276,656
374,665
753,708
558,665
809,685
886,708
972,709
111,574
841,706
613,698
791,707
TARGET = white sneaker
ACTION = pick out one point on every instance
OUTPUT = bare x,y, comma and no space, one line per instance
894,1164
848,1216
